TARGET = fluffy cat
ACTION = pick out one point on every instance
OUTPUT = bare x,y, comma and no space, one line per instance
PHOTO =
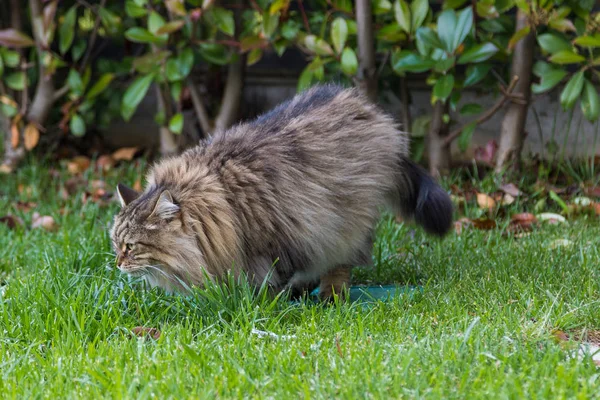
293,195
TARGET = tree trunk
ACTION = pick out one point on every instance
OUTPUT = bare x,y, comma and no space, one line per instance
230,104
168,144
367,74
512,133
438,152
43,99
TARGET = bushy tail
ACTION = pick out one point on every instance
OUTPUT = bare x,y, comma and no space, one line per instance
424,200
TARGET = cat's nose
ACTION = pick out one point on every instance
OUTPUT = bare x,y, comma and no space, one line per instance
120,259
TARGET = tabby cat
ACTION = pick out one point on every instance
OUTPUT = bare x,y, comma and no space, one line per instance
292,196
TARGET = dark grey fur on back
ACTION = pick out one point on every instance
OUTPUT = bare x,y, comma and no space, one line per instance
303,184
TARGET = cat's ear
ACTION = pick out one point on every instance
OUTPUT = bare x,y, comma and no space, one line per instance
165,206
126,194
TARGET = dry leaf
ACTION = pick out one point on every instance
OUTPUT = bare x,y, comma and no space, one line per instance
43,221
484,223
25,206
462,224
105,162
594,192
142,331
11,221
507,200
5,169
14,135
551,218
137,186
78,164
125,154
597,208
487,153
560,336
521,223
511,189
485,202
31,137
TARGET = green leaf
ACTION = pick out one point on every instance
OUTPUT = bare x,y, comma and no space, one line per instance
318,45
444,65
443,87
402,15
517,36
465,136
185,61
381,6
290,29
172,71
223,20
427,40
590,104
77,125
66,30
446,28
572,90
134,94
170,27
15,38
100,85
305,80
463,27
471,109
140,35
453,4
78,49
478,53
278,5
16,80
176,91
391,33
176,123
133,10
214,53
150,62
339,34
550,79
566,57
270,23
349,62
11,57
254,56
75,83
155,22
475,73
552,43
418,13
407,61
588,41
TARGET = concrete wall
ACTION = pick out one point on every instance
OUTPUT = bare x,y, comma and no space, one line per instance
262,93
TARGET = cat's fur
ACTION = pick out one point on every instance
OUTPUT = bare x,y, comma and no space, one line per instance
295,194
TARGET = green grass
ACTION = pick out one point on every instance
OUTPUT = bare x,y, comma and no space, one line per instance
481,327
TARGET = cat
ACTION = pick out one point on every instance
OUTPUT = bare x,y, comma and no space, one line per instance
292,197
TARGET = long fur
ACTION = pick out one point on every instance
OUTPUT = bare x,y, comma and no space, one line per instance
292,195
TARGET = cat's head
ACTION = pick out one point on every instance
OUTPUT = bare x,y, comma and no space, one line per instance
150,239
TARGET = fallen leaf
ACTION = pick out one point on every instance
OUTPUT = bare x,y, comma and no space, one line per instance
560,336
507,199
521,223
551,218
511,189
142,331
43,221
78,164
125,154
484,223
5,169
594,192
11,221
485,202
523,218
597,208
137,186
97,184
462,224
25,206
105,162
487,153
14,135
31,136
560,243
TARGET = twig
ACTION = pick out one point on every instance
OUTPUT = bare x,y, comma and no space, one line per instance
93,37
24,93
507,94
199,108
61,92
304,17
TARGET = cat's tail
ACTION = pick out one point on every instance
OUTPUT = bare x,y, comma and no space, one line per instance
422,199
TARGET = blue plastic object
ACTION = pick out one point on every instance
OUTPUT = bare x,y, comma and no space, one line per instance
375,293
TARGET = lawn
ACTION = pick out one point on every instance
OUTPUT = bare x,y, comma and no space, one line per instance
481,327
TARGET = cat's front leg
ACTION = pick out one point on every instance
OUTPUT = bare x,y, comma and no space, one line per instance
335,281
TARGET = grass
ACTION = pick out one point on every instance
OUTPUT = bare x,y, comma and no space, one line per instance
481,327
